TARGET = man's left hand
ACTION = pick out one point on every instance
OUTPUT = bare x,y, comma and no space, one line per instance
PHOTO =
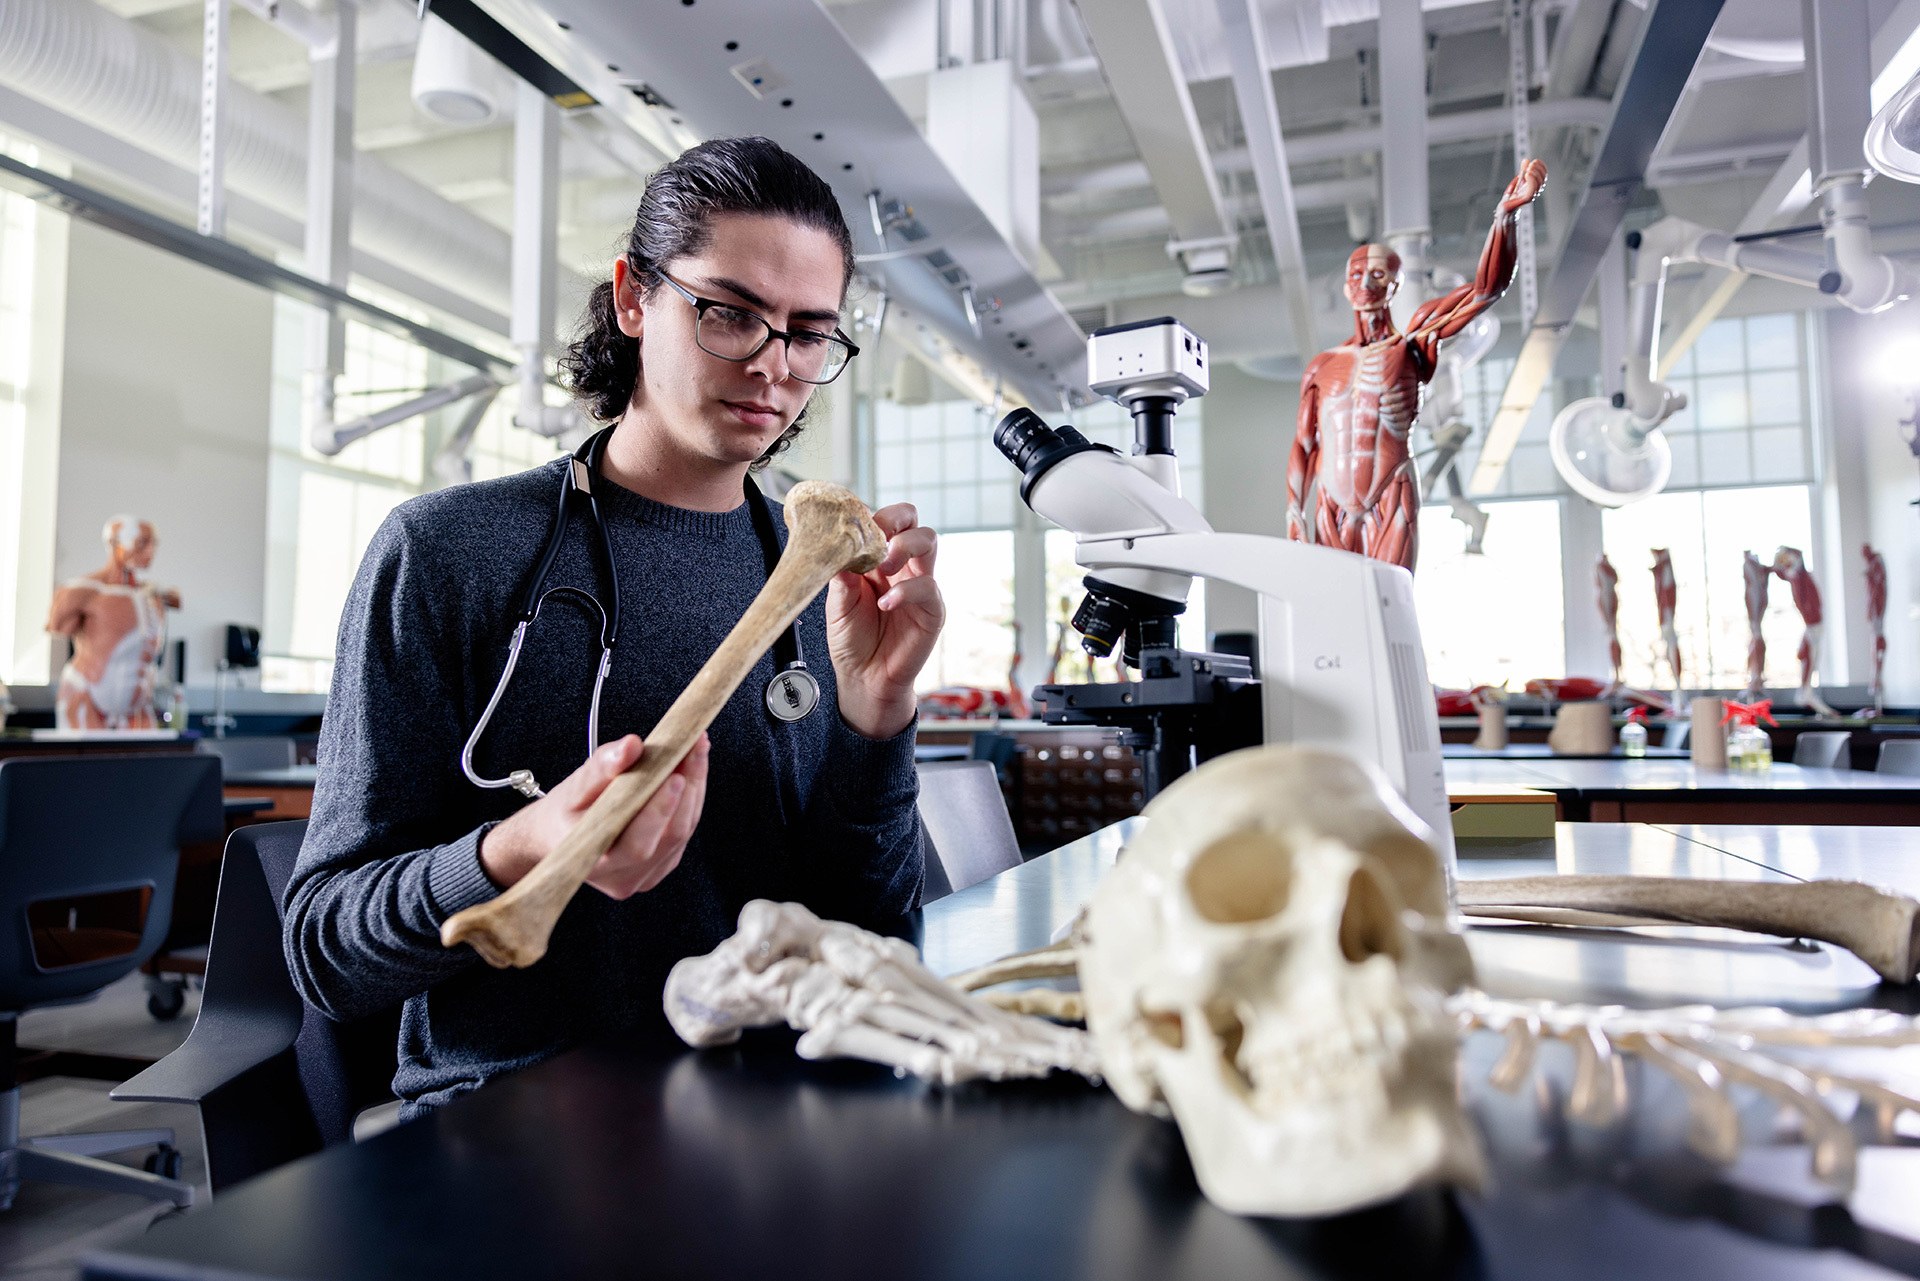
881,626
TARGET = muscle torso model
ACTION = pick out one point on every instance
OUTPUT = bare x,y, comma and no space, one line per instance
1351,455
1606,589
1665,597
1792,566
1758,576
118,626
1877,622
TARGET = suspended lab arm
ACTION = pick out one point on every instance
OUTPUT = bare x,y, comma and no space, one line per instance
331,438
451,465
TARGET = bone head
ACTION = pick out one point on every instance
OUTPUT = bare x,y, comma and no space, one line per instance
1267,962
828,517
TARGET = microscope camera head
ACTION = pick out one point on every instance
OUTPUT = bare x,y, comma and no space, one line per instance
1147,358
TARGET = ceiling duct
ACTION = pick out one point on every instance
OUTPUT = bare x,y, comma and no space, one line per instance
453,82
121,78
835,113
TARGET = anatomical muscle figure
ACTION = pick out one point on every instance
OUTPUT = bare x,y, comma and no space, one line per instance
1351,457
1877,622
118,625
1666,596
1758,576
1791,565
1606,594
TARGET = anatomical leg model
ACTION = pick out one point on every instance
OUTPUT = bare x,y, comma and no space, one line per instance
1877,623
1758,576
1792,566
1350,457
1606,595
118,625
1665,597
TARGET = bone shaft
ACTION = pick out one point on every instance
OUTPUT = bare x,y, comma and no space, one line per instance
1876,926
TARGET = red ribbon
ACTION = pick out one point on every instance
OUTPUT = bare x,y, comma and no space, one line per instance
1638,714
1748,713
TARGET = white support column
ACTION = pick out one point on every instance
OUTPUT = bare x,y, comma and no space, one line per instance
1405,214
1519,81
1580,548
213,118
1030,596
329,210
536,217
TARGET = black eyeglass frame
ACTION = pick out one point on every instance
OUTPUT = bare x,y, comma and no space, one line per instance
702,305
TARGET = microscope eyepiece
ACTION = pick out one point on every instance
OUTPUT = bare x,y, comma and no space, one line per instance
1026,441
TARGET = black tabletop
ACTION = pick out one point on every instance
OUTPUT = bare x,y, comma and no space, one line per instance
646,1159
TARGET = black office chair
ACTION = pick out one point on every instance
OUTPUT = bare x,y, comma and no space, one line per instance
247,755
964,821
274,1079
1899,756
1824,749
89,847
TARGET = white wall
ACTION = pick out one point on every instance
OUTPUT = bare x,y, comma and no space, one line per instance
164,391
1876,480
1248,432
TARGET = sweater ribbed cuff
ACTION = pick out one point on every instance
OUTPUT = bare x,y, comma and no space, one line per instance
455,879
874,767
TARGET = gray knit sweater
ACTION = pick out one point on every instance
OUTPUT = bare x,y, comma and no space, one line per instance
811,811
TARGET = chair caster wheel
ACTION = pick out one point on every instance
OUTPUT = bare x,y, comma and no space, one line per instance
166,1002
164,1161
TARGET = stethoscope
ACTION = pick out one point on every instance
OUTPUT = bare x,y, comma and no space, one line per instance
791,694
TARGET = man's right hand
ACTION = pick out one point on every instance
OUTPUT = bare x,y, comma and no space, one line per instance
646,850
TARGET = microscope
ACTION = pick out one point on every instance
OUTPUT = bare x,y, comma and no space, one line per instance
1337,662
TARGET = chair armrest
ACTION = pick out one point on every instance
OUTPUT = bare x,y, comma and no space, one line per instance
219,1051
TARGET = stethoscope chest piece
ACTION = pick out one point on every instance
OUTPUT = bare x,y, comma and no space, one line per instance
793,693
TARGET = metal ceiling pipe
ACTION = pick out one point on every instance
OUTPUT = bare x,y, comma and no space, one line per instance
1457,126
117,76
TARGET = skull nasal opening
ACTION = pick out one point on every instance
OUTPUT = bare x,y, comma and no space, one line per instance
1240,878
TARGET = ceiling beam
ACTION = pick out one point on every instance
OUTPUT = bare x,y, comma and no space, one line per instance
1241,24
1669,44
1142,69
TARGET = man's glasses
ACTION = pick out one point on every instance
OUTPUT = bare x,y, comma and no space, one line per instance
736,334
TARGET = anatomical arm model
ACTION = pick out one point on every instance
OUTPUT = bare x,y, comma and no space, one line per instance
1792,566
1666,597
118,626
1606,588
1351,458
1877,622
1758,576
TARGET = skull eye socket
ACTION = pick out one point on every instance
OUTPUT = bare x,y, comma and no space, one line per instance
1240,879
1369,924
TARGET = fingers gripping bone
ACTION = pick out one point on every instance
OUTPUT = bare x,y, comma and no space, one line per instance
857,995
829,530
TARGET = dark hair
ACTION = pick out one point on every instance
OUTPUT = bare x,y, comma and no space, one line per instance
726,175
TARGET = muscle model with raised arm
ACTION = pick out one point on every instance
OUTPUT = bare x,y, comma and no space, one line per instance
1351,457
118,625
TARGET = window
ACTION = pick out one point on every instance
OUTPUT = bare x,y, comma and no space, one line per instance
940,458
1706,534
27,457
501,449
1748,407
975,572
1496,617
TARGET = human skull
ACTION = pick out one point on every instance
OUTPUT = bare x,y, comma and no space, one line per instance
1267,962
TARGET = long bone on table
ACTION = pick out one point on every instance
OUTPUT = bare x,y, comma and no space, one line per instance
829,530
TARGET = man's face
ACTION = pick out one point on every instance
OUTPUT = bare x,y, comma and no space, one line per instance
726,411
1373,274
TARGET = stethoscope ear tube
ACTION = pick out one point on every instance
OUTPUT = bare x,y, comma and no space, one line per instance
520,780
